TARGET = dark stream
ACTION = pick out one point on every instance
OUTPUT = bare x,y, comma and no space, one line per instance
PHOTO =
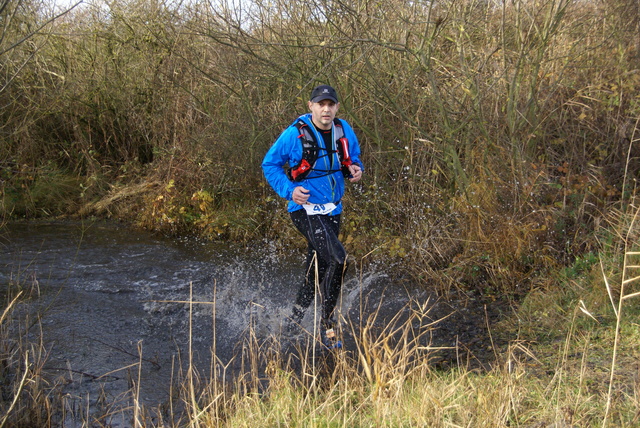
108,297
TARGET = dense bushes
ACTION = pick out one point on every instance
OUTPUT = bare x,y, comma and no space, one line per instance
495,134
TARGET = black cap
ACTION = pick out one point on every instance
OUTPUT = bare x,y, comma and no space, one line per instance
324,92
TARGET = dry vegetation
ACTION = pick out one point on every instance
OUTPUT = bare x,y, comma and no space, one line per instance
500,141
496,135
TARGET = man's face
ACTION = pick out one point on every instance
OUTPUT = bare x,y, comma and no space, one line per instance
323,112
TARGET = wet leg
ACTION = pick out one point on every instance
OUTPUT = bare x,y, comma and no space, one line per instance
321,232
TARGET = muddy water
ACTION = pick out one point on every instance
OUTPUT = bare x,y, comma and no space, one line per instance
108,297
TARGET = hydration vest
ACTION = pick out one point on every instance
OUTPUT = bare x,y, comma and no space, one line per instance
311,149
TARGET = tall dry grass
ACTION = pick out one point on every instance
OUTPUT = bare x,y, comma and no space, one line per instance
569,359
26,390
621,284
388,378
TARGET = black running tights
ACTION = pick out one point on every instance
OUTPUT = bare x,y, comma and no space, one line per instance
321,233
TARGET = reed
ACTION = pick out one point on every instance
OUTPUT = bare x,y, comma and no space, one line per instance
557,367
619,296
27,397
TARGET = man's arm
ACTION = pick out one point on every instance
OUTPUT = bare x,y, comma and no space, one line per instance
276,158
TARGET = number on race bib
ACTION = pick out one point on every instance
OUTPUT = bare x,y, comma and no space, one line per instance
314,209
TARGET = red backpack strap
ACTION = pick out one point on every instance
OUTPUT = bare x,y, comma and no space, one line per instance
309,153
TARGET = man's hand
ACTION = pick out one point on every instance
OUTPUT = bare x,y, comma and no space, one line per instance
356,173
300,195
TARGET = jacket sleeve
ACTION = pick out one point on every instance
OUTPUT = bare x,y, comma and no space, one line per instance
286,150
354,145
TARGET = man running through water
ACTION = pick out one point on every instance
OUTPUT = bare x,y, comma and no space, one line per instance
320,152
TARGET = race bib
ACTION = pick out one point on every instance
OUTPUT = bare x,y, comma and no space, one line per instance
313,209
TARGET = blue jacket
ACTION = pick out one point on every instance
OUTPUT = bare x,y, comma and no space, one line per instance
287,150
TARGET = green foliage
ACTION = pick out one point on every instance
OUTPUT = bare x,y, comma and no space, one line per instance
582,265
